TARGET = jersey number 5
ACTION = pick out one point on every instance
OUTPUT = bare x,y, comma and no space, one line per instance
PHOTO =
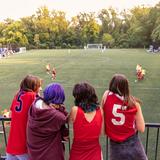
18,108
121,116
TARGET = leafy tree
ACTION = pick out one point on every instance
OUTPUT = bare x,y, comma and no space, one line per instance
136,27
104,17
30,28
107,39
154,21
138,34
36,40
61,24
14,34
156,34
87,28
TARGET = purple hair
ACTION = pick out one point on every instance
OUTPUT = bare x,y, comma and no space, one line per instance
54,93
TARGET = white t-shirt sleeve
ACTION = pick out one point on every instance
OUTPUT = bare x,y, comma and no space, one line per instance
39,104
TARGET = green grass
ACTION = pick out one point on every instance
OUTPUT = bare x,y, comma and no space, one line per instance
92,66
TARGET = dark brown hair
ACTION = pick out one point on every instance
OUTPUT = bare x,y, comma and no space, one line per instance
120,85
30,83
84,93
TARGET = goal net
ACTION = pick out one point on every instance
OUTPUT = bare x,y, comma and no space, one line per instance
22,49
94,46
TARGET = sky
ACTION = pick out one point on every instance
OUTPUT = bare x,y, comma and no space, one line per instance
16,9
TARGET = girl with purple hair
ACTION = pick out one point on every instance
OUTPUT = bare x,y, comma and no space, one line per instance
46,125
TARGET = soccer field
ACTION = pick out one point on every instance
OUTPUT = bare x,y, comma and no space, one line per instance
93,66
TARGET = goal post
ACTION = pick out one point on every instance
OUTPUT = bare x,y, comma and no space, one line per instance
22,49
94,46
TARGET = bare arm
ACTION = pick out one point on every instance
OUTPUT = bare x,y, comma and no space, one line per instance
102,130
102,105
140,124
73,113
104,98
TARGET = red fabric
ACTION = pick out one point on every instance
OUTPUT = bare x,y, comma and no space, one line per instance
119,121
86,137
17,136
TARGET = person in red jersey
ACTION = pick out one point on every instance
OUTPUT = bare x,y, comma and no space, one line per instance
123,119
87,117
17,146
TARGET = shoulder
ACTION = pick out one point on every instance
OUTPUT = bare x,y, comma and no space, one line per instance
73,113
105,93
24,97
74,109
29,96
30,93
39,104
138,106
104,97
100,112
53,113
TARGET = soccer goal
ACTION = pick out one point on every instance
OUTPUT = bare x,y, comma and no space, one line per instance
94,46
22,49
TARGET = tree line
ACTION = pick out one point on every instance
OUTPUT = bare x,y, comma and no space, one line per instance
134,28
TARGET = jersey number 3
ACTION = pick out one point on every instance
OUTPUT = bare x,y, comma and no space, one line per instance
121,116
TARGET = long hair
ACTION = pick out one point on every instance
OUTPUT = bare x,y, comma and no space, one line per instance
54,94
30,83
120,85
85,97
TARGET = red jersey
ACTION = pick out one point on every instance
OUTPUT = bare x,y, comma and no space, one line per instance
86,137
19,114
84,130
119,120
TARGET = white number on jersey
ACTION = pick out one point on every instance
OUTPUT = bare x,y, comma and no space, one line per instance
118,115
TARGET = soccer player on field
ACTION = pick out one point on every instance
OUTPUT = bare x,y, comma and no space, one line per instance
17,147
123,119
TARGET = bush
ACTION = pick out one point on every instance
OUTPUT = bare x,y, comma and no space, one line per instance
43,46
51,45
31,46
124,45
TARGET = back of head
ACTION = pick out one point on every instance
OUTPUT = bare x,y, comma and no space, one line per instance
85,96
30,83
54,93
120,85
